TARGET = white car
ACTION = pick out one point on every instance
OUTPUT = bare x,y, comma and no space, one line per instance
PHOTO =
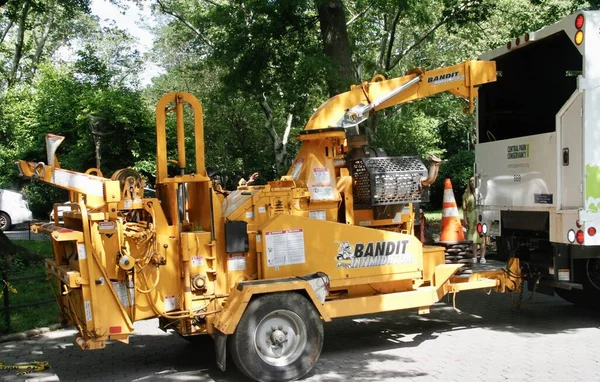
14,209
61,208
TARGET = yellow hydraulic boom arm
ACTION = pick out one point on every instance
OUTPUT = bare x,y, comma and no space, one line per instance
352,107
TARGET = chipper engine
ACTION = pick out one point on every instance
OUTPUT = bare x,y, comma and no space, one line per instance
259,270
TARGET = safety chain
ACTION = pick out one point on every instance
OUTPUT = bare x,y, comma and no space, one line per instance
518,303
32,367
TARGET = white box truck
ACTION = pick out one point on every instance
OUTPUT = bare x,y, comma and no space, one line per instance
537,157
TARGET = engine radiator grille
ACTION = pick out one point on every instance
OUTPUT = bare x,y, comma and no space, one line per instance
383,181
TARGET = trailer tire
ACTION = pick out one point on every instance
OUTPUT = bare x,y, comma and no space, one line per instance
279,338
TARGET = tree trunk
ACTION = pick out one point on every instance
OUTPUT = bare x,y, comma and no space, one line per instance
279,145
42,41
19,45
336,45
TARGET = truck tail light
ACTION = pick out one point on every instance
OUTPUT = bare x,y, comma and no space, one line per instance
508,45
579,20
479,228
578,223
571,236
579,237
578,37
591,231
479,218
484,229
526,37
517,41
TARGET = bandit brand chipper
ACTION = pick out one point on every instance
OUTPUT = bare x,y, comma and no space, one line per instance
260,269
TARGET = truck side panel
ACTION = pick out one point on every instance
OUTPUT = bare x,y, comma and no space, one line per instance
518,172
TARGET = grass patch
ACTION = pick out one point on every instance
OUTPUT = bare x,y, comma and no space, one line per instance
30,291
436,216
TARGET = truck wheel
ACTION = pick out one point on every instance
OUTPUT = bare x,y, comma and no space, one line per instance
589,276
279,338
5,222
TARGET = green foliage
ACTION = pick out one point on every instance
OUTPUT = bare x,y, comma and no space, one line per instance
408,131
60,102
31,290
232,56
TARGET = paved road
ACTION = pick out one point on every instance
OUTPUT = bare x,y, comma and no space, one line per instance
26,234
549,340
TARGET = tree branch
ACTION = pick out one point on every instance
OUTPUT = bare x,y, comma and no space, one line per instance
432,30
288,127
19,44
209,2
42,42
359,15
392,37
264,105
397,59
180,18
5,32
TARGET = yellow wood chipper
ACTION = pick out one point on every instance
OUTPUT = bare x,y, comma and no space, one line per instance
259,269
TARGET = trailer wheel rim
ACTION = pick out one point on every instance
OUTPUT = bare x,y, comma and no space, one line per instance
3,222
593,272
280,338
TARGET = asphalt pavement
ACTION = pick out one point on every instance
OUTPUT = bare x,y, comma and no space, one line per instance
547,340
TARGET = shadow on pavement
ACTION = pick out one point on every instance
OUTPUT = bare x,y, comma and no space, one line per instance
354,348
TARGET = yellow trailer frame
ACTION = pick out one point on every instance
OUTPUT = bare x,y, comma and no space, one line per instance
270,261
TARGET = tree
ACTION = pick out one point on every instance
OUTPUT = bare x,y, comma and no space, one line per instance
336,45
32,30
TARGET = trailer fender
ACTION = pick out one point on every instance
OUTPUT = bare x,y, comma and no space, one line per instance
315,285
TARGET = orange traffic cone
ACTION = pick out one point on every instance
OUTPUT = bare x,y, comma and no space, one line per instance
452,231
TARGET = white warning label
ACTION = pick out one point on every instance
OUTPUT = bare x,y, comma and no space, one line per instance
236,262
120,288
322,193
88,311
197,261
285,247
322,175
81,253
317,214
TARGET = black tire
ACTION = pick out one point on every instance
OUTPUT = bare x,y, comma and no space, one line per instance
262,346
5,221
587,274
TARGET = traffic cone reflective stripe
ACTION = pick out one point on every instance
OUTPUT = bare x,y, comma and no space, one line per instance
451,225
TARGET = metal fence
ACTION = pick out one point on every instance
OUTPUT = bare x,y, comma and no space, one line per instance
7,308
23,232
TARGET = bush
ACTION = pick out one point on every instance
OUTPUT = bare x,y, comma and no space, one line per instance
41,198
459,168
